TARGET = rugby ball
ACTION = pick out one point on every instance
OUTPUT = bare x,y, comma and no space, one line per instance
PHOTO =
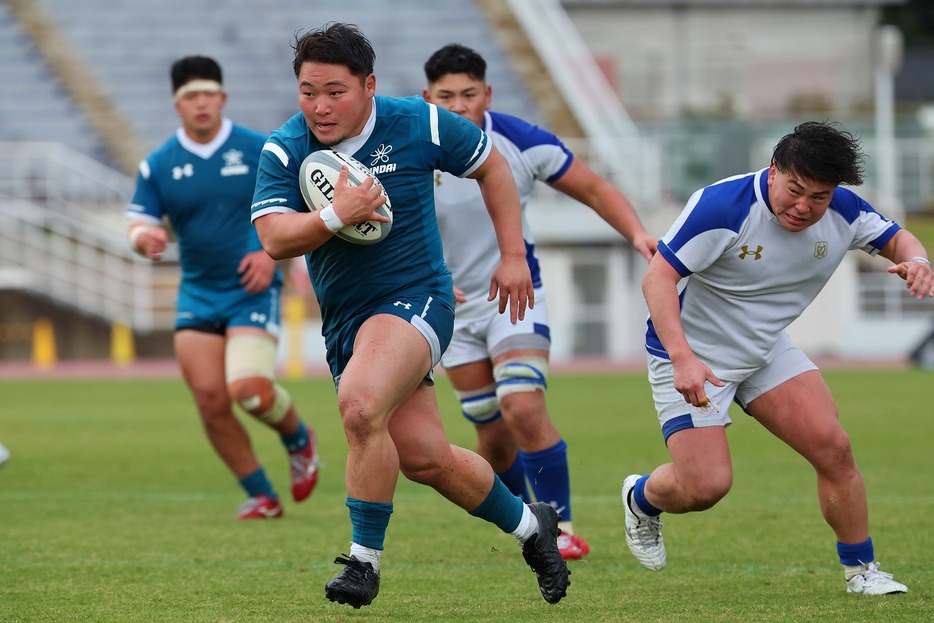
317,178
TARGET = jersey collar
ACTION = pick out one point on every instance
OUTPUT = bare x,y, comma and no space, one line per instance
206,150
351,145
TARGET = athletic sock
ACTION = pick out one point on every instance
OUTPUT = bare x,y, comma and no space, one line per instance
257,484
501,507
548,475
514,479
369,521
366,554
854,555
297,440
640,503
528,525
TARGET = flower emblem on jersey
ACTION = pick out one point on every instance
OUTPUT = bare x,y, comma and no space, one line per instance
820,249
381,154
755,253
233,163
380,160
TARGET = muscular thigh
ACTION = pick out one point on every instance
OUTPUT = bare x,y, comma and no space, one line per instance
426,311
390,359
417,431
200,356
801,412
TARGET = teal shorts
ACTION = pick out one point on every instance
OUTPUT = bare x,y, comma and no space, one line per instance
429,310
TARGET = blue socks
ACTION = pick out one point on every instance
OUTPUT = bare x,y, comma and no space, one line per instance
297,440
257,484
853,554
500,507
547,471
369,521
514,479
638,497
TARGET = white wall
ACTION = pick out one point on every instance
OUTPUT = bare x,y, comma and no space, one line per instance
666,60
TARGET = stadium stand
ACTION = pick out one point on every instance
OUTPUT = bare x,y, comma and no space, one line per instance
86,95
34,106
129,47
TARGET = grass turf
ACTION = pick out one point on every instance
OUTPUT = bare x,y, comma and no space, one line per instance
113,507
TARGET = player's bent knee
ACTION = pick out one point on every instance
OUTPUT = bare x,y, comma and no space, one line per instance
262,398
522,374
480,406
706,495
250,365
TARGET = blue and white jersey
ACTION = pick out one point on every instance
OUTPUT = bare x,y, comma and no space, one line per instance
205,190
470,247
403,143
746,277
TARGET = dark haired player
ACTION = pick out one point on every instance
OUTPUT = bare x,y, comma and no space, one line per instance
745,258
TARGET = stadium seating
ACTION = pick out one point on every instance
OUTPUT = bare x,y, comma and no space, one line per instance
129,47
33,106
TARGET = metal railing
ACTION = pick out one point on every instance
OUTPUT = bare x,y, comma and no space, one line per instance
61,236
614,138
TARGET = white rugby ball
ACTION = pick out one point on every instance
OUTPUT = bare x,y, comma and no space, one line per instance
317,178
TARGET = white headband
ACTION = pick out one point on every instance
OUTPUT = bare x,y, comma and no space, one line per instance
204,86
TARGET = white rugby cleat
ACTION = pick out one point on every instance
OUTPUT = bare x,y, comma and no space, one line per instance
643,533
871,581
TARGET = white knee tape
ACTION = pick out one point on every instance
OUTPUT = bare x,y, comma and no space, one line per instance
480,406
522,374
280,407
250,355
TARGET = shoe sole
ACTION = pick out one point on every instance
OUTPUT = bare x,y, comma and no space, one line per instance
340,598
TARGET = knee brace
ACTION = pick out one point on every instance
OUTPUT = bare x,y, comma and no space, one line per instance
250,363
480,406
522,374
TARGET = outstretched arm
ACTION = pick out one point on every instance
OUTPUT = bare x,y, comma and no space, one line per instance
581,183
512,278
911,263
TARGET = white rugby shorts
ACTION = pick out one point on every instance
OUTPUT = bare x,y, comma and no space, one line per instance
481,332
786,361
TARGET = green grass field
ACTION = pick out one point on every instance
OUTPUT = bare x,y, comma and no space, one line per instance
114,508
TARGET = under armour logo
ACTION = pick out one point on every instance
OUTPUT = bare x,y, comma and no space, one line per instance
184,171
407,306
757,253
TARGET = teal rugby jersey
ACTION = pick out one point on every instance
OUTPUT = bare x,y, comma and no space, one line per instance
205,190
403,143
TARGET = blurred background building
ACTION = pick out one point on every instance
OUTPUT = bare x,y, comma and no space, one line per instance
661,97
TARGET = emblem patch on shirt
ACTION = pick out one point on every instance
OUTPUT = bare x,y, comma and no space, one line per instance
755,253
233,163
184,171
820,249
380,162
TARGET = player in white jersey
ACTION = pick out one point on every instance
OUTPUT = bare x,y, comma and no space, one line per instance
497,369
227,326
745,258
388,308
